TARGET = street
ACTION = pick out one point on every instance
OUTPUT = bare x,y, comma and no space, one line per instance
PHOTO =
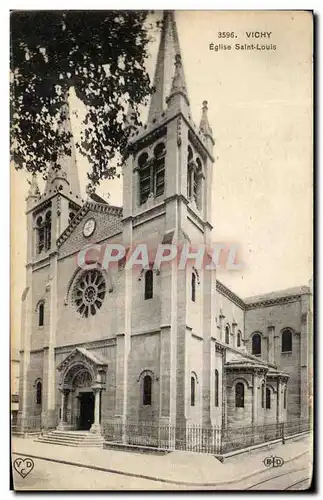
48,475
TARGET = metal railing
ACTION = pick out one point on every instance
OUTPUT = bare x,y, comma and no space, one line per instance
214,440
197,438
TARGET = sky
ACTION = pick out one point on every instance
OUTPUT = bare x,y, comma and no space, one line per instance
260,109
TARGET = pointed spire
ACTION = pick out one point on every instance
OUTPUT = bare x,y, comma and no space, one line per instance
204,124
168,52
66,168
179,84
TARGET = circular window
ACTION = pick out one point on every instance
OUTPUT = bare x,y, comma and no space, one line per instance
89,292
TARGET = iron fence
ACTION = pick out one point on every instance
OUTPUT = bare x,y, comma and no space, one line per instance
197,438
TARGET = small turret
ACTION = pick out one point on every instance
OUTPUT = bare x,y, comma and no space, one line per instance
204,123
178,84
33,194
63,175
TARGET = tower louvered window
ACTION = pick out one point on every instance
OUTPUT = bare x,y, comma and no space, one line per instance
145,177
159,168
152,173
48,230
40,235
194,178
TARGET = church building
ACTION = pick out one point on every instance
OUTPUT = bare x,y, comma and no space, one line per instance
168,347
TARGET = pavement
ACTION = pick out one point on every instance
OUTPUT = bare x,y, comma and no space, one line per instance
177,468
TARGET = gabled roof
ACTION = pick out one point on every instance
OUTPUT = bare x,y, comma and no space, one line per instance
109,223
81,352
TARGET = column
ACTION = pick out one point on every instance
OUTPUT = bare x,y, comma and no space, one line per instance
270,350
96,427
254,398
233,333
221,318
62,422
279,400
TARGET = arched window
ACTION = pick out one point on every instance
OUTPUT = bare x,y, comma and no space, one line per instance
145,178
227,335
193,287
263,395
40,235
267,398
285,398
152,173
287,341
149,284
256,344
216,388
48,230
239,395
193,391
189,172
38,393
197,186
41,315
159,169
239,339
147,386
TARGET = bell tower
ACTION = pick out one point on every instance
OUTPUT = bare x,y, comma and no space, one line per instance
167,186
48,214
171,159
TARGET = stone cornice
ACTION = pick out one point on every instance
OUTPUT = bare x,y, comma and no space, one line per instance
41,204
272,302
245,367
220,287
258,303
144,140
96,344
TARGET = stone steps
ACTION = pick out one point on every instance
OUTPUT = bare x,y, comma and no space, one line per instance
80,439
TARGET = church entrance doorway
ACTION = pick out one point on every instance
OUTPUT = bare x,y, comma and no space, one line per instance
86,410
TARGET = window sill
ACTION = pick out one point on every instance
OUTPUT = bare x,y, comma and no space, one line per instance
286,352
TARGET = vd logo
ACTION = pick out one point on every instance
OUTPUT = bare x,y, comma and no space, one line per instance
23,466
273,461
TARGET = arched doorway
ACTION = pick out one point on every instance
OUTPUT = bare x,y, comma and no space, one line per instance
78,399
83,396
82,379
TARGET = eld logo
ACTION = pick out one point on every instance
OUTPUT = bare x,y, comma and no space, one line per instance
23,466
273,461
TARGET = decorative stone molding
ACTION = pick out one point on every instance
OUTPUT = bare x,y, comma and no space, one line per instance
229,294
219,347
94,207
146,140
79,359
272,302
97,344
145,372
179,131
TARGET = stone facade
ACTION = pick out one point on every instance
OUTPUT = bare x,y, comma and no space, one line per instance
102,349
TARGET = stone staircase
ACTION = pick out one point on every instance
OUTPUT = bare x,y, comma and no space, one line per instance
79,439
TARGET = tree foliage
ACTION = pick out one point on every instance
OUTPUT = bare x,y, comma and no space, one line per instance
101,55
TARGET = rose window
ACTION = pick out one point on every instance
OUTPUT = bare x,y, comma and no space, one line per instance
89,292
